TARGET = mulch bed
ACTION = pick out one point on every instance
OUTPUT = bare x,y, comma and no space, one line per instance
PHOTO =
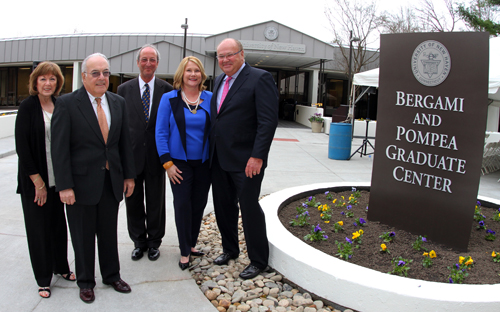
484,271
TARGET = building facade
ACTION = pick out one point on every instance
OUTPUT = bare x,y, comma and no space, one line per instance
306,70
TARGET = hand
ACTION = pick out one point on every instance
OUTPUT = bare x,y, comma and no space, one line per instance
40,196
128,187
67,196
174,175
253,167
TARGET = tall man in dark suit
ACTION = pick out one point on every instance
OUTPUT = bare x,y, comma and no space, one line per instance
146,225
244,118
93,167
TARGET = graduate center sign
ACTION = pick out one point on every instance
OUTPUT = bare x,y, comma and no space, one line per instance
432,106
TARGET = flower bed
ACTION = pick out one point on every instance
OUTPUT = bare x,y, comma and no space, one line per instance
342,281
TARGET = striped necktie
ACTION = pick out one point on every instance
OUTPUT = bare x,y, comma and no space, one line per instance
145,102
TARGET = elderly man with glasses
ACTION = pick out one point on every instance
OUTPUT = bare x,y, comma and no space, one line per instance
244,118
93,167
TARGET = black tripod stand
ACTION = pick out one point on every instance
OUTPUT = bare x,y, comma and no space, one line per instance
362,150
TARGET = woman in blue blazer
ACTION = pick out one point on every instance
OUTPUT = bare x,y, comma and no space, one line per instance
182,130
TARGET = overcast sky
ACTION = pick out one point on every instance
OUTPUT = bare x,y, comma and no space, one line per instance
23,18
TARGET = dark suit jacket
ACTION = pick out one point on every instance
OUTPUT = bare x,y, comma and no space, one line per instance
142,133
30,144
247,120
79,153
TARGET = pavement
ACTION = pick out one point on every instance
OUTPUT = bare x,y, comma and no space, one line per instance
297,157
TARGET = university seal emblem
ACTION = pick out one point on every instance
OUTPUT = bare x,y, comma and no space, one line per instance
430,63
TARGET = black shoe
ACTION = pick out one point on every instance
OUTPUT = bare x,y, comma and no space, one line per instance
153,253
223,258
250,271
183,266
197,253
137,253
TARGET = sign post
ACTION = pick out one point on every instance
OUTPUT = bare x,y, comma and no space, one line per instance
432,107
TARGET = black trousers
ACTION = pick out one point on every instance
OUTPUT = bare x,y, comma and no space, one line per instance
229,189
47,236
190,199
85,223
146,224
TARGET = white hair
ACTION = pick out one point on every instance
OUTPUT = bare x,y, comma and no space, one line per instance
84,64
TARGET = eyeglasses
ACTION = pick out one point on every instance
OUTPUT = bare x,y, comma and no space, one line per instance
228,56
97,74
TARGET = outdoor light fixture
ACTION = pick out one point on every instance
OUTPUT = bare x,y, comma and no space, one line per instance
185,27
349,100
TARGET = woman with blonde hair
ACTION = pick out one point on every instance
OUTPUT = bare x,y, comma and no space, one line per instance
44,217
182,129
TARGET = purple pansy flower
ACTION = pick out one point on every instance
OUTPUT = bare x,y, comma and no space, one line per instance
401,263
348,240
355,224
457,266
478,203
306,213
349,207
326,193
481,223
310,198
317,228
325,236
354,189
451,280
342,213
362,221
304,205
424,239
490,231
392,234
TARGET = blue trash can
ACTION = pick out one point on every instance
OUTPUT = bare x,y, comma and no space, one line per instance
339,146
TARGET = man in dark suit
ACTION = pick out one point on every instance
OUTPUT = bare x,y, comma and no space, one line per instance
244,116
93,167
146,225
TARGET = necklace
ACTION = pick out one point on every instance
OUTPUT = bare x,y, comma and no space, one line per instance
187,101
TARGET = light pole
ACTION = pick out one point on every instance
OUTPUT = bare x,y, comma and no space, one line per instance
349,100
185,27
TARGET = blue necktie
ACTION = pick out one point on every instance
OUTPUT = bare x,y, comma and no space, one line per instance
145,102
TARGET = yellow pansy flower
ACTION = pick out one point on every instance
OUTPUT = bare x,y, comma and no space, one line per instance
355,235
341,223
432,254
327,221
461,259
469,262
493,254
334,200
321,215
425,254
361,232
384,247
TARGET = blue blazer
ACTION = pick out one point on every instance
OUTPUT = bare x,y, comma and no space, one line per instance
171,126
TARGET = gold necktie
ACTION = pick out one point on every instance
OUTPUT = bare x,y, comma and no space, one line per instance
103,123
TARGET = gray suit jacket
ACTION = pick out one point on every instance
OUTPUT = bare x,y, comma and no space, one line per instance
79,153
142,133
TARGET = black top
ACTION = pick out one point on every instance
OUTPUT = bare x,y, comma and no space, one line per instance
30,144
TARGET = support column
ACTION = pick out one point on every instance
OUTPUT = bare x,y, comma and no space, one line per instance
77,76
313,86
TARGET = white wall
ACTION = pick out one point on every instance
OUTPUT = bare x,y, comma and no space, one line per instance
7,124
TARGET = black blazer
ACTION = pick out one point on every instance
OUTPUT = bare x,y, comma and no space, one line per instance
142,133
30,144
247,120
79,151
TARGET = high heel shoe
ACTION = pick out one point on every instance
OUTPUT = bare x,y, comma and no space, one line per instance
197,253
183,266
